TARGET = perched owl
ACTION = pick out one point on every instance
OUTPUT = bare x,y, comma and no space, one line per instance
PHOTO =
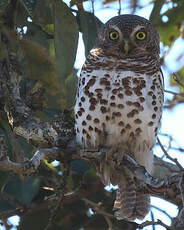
119,105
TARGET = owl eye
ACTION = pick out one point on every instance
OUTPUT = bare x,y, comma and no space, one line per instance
113,35
141,35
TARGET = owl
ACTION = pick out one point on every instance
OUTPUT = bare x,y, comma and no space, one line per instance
119,106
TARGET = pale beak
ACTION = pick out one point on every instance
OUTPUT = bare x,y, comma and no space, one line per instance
126,47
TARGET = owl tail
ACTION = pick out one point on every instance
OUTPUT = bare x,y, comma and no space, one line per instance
131,204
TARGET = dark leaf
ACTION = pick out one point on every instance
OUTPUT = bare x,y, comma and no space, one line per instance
170,31
43,12
6,205
180,76
36,220
12,39
20,13
37,34
71,89
22,191
3,179
66,39
39,65
30,4
4,4
80,167
89,25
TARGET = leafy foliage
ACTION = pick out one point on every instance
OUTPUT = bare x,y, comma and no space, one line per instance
89,25
169,25
39,65
66,38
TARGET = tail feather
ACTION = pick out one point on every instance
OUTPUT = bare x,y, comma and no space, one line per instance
131,204
142,204
125,200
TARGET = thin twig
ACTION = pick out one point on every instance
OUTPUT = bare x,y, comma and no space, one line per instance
92,5
30,166
148,223
108,220
178,149
169,157
152,219
177,80
170,143
161,210
119,11
174,93
97,209
181,187
59,198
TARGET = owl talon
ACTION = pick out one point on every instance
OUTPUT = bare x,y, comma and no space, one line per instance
109,155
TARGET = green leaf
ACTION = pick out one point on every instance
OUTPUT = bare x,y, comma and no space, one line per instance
4,4
20,13
89,25
80,167
66,39
29,4
36,220
39,65
23,191
65,98
50,30
3,179
169,31
37,34
13,41
71,89
6,205
180,75
43,12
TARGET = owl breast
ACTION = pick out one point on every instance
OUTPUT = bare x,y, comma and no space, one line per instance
121,109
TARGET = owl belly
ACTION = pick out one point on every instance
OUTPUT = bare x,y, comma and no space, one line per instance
120,110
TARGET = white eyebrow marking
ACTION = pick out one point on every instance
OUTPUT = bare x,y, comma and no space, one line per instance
138,27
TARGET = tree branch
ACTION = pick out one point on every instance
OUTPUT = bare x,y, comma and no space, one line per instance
165,187
148,223
154,16
169,157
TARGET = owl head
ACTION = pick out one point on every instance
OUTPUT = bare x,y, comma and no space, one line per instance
129,35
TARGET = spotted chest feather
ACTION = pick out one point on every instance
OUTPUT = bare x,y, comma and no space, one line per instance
116,107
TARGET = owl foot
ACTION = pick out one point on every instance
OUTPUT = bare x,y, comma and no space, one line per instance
109,154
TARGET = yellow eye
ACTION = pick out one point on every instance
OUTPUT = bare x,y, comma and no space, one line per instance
141,35
114,35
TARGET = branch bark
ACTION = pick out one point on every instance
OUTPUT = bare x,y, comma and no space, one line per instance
155,14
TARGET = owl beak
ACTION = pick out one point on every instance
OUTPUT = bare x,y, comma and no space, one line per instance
126,47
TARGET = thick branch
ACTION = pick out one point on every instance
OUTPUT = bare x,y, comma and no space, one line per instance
149,223
32,165
156,11
166,187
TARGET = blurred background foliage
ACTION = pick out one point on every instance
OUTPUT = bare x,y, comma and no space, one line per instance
43,35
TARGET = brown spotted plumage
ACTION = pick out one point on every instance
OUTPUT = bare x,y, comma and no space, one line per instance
119,105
